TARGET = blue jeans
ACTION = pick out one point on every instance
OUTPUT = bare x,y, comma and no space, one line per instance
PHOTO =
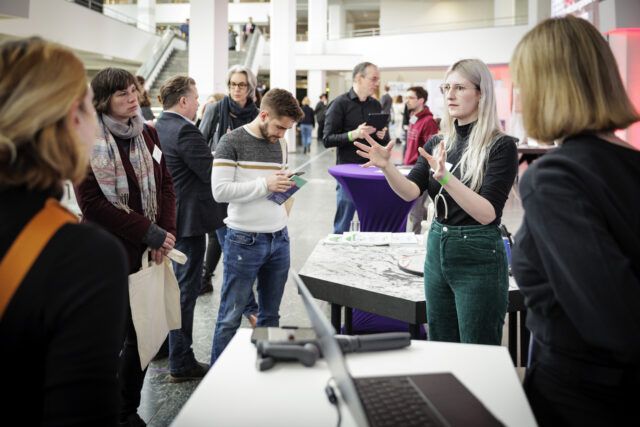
252,305
305,134
181,355
248,256
344,211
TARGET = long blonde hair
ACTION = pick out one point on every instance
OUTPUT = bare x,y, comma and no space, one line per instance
569,81
39,82
485,132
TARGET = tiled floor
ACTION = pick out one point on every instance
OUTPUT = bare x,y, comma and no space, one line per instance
311,220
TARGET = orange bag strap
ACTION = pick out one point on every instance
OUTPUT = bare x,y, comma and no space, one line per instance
27,247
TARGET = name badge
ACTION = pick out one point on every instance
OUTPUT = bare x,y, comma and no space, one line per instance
157,154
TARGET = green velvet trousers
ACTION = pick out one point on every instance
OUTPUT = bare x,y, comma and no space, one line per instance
466,283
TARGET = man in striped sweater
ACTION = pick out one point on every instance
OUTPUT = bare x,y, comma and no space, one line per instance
249,164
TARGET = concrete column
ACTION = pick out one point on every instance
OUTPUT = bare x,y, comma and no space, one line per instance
504,12
317,25
625,44
337,21
283,38
316,85
208,48
147,15
539,10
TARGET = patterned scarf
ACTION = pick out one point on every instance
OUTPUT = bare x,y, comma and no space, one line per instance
108,168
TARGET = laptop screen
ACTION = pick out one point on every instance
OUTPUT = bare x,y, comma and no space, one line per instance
332,353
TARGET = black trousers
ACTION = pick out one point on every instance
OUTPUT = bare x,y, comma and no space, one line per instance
130,376
320,130
565,392
212,256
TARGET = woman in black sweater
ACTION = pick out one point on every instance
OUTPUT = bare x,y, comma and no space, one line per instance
465,273
577,254
61,331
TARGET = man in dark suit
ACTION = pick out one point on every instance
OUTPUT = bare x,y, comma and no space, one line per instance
189,161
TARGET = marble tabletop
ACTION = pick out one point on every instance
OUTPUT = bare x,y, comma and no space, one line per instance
373,268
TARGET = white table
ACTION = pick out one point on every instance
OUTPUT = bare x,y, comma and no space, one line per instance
236,394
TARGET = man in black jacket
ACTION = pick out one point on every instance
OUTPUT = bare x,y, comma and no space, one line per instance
345,122
189,161
320,111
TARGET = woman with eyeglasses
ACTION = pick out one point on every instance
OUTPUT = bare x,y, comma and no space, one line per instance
468,170
234,110
577,253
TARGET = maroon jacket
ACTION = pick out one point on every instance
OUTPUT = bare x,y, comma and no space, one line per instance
419,134
131,227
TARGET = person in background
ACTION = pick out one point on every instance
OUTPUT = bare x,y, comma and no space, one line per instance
61,329
345,122
396,130
233,111
184,30
145,100
256,245
232,38
306,125
466,271
211,99
421,128
320,111
129,192
189,160
386,100
577,254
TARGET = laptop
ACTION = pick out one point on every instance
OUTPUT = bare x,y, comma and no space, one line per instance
437,399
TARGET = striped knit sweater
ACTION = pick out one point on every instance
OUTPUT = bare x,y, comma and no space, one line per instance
241,165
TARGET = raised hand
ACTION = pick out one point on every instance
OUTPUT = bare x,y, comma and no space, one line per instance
437,162
362,130
279,182
376,154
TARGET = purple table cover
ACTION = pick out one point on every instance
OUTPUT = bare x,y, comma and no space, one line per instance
379,209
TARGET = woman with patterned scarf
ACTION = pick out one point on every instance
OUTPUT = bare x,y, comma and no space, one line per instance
129,192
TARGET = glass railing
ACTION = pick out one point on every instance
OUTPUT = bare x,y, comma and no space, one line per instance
157,52
106,10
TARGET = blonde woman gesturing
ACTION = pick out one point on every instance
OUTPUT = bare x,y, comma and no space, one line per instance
468,170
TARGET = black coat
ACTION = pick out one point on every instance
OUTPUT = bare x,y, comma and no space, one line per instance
189,161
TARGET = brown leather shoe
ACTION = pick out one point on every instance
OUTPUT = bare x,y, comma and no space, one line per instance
253,320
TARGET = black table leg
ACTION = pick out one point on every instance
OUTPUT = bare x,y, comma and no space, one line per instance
348,320
513,337
524,339
336,314
414,330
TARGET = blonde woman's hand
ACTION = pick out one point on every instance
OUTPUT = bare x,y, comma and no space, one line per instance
437,162
377,154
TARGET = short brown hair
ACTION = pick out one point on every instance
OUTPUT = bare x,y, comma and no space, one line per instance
37,148
421,93
107,82
281,103
569,81
175,88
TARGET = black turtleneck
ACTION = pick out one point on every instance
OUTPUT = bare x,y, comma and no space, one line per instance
500,175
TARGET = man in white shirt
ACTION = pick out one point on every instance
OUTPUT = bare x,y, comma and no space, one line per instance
249,165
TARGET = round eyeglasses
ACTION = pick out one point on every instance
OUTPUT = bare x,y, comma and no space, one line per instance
445,88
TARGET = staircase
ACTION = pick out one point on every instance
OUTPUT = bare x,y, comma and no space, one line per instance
178,63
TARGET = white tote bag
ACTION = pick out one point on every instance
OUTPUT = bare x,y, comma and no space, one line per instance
154,297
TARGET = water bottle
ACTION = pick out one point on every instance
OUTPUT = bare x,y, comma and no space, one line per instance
354,227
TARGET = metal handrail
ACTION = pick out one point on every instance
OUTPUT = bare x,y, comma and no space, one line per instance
254,41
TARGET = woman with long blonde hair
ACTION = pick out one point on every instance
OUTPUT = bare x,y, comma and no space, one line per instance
63,285
468,170
577,253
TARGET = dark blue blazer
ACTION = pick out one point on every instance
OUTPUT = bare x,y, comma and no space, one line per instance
189,161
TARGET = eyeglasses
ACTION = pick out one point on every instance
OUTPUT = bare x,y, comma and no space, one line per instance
242,85
445,88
